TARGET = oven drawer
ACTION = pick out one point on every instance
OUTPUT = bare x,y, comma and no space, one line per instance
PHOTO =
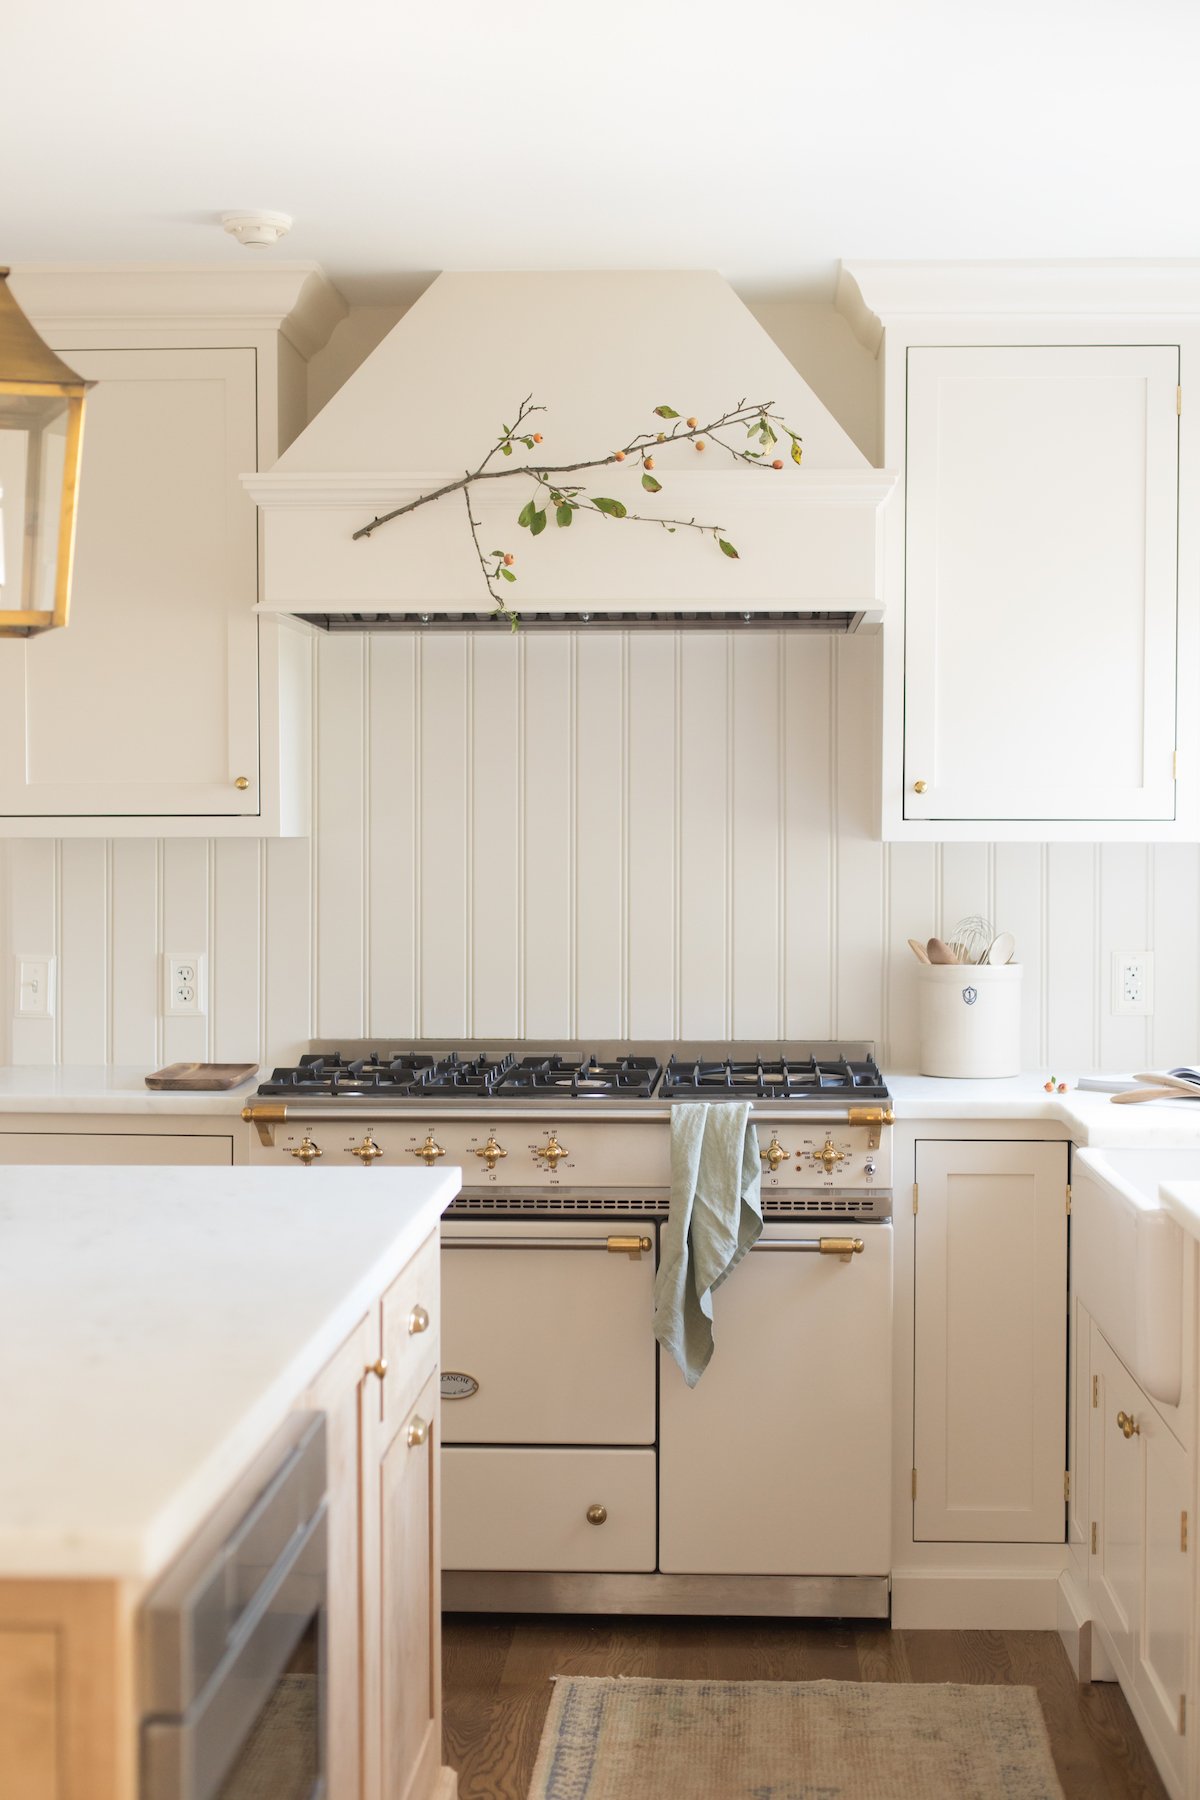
528,1509
410,1333
554,1327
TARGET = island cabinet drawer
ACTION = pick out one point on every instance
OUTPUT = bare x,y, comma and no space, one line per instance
548,1509
410,1332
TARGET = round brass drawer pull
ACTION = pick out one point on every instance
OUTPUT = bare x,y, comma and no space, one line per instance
1128,1424
378,1367
596,1515
418,1321
919,787
418,1431
242,783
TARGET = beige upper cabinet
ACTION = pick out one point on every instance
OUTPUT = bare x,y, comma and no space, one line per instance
166,707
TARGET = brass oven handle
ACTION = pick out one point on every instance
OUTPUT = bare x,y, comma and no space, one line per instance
306,1152
634,1245
843,1247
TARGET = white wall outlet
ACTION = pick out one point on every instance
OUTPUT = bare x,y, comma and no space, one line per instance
184,981
33,989
1133,981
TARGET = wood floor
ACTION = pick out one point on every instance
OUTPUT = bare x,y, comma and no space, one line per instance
498,1668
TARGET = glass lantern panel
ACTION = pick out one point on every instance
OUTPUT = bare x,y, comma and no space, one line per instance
33,446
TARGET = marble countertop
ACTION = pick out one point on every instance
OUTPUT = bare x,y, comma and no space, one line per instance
110,1090
1182,1200
156,1327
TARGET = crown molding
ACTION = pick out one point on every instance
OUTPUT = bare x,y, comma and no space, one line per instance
871,295
296,299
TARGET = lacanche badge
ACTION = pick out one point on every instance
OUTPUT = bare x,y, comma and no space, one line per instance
456,1386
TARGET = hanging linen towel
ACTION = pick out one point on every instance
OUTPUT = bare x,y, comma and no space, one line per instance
715,1216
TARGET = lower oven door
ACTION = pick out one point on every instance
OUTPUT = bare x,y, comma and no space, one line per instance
547,1331
778,1462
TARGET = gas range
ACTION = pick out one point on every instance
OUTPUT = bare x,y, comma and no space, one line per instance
582,1128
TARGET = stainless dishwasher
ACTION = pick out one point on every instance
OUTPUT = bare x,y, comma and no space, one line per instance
232,1650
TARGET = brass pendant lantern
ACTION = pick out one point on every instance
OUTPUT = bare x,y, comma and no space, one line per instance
41,438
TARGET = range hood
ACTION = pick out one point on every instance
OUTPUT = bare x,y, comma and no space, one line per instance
598,351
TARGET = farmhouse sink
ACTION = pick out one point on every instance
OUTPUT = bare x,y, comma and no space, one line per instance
1127,1259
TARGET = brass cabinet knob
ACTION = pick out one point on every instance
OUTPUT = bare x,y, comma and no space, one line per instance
596,1515
491,1151
242,783
551,1152
919,787
418,1432
774,1154
1128,1424
306,1151
366,1152
429,1151
829,1156
378,1367
418,1321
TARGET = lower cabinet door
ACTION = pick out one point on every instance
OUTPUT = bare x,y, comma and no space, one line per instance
1115,1486
94,1148
548,1509
1161,1677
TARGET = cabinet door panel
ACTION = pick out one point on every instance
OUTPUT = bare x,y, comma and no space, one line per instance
90,1149
991,1338
1115,1486
410,1603
1162,1667
1040,582
147,703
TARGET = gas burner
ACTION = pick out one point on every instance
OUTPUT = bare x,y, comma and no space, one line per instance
452,1075
627,1077
776,1078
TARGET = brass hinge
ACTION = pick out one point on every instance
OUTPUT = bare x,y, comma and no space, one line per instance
1174,765
1068,1199
914,1484
1178,401
915,1200
1095,1391
1183,1531
1183,1715
1067,1485
1094,1536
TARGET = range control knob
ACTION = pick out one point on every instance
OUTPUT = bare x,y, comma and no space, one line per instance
829,1156
429,1151
774,1154
552,1152
491,1151
306,1152
367,1152
869,1166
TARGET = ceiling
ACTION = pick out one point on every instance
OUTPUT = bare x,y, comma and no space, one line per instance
765,138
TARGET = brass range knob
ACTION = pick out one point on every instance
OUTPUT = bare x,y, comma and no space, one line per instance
418,1321
491,1151
306,1151
366,1152
429,1151
830,1156
774,1154
1128,1424
596,1515
418,1432
919,787
551,1152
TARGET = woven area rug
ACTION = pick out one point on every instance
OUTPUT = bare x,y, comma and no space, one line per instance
634,1739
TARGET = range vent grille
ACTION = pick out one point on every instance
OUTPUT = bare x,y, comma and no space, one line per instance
653,1205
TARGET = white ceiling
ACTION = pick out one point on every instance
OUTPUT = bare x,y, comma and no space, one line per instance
763,138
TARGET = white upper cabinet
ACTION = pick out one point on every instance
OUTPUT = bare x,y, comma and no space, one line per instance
166,707
1040,629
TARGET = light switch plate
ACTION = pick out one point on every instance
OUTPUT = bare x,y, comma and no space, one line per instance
33,987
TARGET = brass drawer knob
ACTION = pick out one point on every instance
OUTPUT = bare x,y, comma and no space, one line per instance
919,787
429,1151
242,783
418,1431
378,1367
418,1321
1128,1424
596,1515
306,1151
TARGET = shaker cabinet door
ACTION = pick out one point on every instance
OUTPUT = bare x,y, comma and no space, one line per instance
1040,583
147,704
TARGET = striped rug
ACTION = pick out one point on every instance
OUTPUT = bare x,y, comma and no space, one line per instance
635,1739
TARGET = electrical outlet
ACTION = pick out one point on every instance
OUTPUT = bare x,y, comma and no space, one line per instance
34,987
1133,981
183,978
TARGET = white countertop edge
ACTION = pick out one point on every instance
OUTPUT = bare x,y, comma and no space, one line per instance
1181,1199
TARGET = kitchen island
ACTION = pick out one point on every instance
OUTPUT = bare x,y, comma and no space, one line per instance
157,1326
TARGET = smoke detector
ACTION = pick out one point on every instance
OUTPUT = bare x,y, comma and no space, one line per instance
257,229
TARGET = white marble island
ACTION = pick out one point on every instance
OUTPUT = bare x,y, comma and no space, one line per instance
157,1325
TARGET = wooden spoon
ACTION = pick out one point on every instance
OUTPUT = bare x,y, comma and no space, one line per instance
918,951
1147,1093
939,952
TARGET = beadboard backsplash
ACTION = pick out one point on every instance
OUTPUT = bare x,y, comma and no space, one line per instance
659,835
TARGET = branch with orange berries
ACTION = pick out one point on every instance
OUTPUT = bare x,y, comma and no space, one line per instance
565,499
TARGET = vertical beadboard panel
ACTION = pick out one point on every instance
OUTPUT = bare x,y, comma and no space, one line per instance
341,852
135,979
650,835
287,937
1072,1035
1124,925
184,891
392,773
1018,905
1175,937
83,951
756,874
809,802
33,931
496,776
965,885
237,975
599,839
442,843
912,910
704,828
548,874
859,906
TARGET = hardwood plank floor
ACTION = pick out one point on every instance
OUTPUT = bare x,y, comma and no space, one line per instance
498,1669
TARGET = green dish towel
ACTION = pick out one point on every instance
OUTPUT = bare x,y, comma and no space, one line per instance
715,1216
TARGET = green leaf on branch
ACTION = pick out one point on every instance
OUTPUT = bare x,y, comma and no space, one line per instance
797,452
665,412
614,508
563,514
537,523
651,486
525,516
507,449
508,575
727,548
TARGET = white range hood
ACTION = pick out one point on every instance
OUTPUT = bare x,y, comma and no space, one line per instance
598,351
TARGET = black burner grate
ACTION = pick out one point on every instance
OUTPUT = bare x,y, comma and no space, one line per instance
777,1078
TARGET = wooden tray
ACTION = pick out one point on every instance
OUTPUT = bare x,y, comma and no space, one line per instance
200,1077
